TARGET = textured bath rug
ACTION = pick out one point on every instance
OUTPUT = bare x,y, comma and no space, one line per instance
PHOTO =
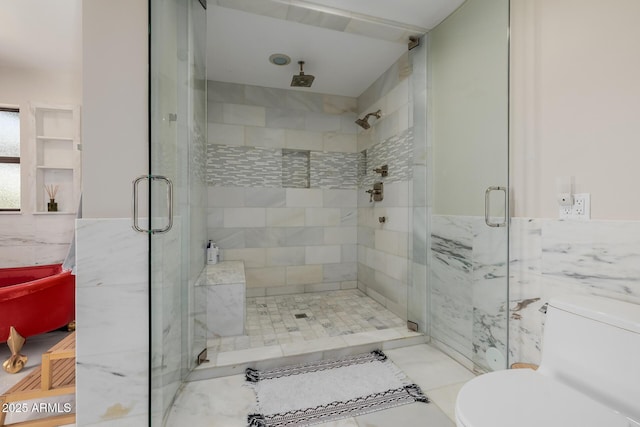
318,392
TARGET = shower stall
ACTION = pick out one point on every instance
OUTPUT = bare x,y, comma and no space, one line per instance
284,181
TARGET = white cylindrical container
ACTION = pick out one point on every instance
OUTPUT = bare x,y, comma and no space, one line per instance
212,255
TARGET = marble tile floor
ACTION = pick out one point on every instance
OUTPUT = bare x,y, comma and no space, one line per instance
226,401
33,349
299,324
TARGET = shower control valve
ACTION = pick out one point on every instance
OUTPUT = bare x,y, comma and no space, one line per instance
382,170
376,193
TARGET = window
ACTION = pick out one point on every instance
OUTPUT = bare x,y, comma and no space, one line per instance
9,159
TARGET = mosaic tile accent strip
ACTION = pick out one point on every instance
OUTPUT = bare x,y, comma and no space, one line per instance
243,166
272,320
199,158
231,166
295,169
334,170
396,152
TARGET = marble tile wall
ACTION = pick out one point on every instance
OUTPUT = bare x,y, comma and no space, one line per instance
385,269
112,323
28,239
396,152
550,257
468,286
291,239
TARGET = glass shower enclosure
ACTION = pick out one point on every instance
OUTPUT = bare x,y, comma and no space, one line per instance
468,158
177,194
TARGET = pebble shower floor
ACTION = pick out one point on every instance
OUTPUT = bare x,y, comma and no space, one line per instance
294,318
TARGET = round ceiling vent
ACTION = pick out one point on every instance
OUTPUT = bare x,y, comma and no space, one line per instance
279,59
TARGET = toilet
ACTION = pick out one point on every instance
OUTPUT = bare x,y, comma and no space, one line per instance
589,375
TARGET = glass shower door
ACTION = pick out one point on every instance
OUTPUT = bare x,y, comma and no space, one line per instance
468,147
177,193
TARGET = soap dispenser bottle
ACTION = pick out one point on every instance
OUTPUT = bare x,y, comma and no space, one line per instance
212,253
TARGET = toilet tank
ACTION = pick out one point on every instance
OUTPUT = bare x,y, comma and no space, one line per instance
593,345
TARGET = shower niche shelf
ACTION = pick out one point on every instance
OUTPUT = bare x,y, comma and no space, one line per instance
56,144
296,168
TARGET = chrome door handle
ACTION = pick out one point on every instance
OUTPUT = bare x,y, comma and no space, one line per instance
487,207
169,225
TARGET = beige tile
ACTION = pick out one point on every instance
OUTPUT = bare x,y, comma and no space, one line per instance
330,254
219,402
248,115
285,217
225,197
322,287
347,422
336,104
264,137
220,133
244,217
340,235
413,414
285,256
429,367
303,140
340,142
301,275
304,197
372,336
387,241
445,398
322,217
248,355
265,277
396,267
252,257
284,290
327,343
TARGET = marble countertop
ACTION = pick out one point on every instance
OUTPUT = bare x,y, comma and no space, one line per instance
225,273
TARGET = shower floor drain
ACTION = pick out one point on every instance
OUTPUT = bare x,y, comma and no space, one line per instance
301,315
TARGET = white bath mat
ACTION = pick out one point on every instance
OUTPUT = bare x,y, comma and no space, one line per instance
318,392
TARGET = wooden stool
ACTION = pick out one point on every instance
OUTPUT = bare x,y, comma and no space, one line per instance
56,376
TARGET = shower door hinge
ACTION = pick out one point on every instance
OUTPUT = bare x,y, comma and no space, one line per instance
412,326
414,41
202,357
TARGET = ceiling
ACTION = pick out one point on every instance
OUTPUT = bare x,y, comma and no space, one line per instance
343,63
47,35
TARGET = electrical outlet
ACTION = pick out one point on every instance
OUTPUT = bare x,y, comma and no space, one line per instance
580,209
565,212
582,206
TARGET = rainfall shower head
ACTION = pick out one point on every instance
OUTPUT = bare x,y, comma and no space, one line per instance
302,79
364,124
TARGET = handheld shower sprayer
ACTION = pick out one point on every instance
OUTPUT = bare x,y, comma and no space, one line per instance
364,124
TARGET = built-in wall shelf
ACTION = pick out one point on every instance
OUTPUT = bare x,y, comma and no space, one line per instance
54,138
56,130
54,213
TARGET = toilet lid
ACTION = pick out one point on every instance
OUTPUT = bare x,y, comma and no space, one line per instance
525,398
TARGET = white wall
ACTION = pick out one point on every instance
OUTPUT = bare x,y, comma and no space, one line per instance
112,263
575,98
575,103
29,239
115,123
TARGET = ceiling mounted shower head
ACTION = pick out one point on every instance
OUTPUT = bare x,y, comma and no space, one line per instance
302,79
364,123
